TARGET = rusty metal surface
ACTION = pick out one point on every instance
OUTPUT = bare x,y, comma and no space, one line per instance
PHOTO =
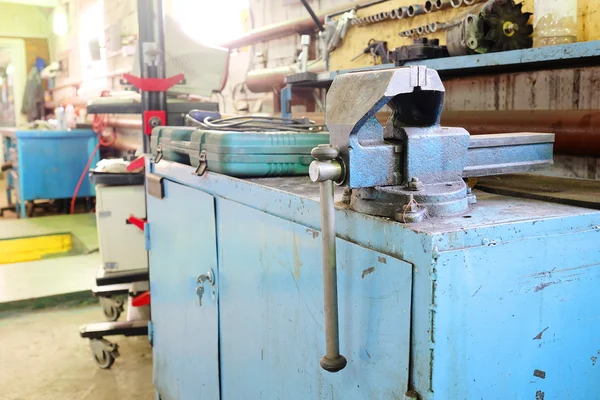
573,192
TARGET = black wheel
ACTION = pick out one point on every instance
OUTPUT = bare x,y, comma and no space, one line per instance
105,359
112,313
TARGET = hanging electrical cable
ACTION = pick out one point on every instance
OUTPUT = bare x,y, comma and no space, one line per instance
99,124
257,124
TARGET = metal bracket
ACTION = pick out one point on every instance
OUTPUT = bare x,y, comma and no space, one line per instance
202,166
155,186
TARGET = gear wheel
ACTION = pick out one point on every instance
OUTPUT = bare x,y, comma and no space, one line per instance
506,26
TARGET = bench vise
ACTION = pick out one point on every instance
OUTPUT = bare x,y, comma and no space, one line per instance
412,167
408,170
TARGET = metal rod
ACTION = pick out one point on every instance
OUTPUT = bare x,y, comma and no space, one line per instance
325,170
332,346
313,15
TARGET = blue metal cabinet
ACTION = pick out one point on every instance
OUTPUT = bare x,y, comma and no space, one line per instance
496,304
48,164
270,279
185,332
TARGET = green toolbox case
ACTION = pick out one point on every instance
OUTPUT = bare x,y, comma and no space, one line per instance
241,154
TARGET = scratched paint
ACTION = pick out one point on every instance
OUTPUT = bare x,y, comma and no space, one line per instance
367,271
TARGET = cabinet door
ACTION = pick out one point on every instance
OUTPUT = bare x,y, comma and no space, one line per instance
183,247
271,311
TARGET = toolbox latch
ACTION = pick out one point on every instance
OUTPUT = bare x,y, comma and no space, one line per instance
155,186
159,154
202,164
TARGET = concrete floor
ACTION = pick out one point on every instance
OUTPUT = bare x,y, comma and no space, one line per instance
52,276
42,357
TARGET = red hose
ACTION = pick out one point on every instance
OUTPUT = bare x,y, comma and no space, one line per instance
99,124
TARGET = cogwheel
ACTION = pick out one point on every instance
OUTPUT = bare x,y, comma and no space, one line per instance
506,27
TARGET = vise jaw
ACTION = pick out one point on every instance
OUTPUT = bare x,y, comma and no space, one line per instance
413,167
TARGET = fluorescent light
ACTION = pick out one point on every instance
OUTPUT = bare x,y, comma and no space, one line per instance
60,22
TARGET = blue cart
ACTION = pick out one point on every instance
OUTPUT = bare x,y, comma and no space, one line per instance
47,164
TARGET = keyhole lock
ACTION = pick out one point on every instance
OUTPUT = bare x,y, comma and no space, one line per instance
209,276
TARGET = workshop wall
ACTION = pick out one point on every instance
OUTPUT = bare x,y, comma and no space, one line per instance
30,23
86,80
358,36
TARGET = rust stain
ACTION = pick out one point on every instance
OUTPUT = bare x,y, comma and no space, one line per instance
368,271
315,234
544,285
539,335
382,260
539,373
539,395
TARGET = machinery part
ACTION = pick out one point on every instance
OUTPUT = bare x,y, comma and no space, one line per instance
335,30
421,49
303,58
386,164
377,48
111,308
456,3
104,352
496,25
325,170
414,10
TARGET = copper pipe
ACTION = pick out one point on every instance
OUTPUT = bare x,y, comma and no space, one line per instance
268,79
577,131
287,28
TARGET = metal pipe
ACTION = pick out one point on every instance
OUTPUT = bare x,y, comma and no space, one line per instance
456,3
414,10
433,27
577,132
305,43
429,6
420,30
325,170
288,28
268,79
401,12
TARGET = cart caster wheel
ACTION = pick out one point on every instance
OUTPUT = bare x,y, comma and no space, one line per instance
104,352
112,308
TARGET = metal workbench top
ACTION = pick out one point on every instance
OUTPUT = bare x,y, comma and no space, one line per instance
297,199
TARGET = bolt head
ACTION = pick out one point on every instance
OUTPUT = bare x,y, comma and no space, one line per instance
415,184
